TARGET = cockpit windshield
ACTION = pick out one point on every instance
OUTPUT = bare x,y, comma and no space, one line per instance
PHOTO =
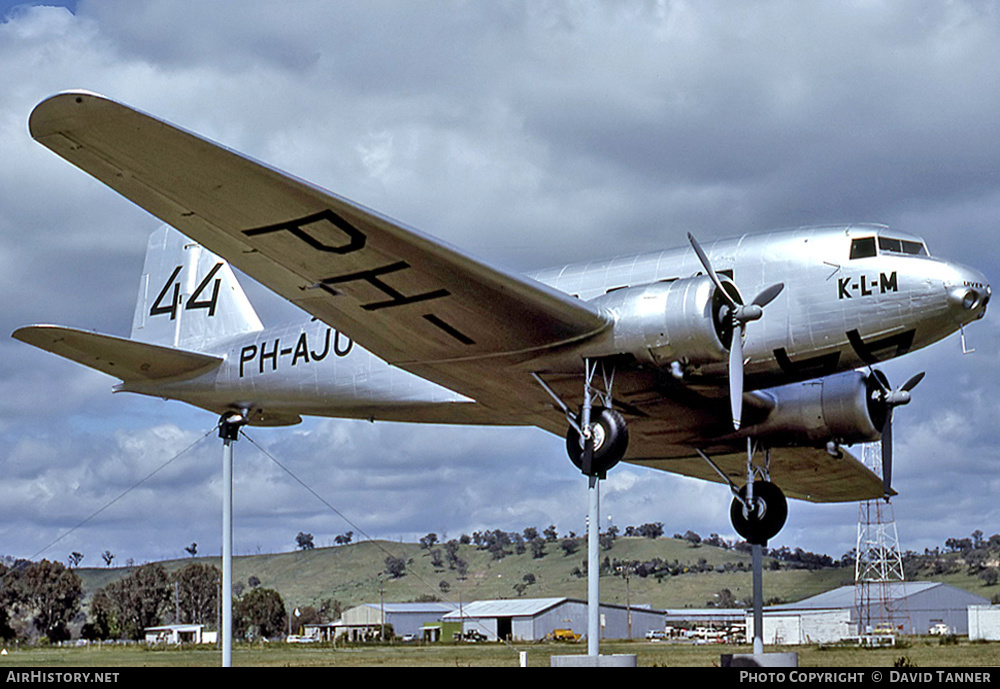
901,246
865,247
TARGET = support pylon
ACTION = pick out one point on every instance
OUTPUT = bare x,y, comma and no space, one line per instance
879,580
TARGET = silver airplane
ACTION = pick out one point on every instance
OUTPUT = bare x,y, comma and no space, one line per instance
656,359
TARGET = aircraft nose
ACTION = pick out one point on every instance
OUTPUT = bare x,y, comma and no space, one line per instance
969,293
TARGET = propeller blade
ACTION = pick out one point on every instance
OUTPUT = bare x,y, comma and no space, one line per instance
703,258
741,316
736,376
768,295
887,455
912,382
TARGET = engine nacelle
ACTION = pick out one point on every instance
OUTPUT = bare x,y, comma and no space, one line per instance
683,320
845,408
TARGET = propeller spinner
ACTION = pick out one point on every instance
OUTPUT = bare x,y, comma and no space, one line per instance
741,315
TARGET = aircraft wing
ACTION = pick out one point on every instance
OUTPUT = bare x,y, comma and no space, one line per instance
805,473
406,297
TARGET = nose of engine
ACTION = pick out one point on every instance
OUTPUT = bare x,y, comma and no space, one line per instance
968,293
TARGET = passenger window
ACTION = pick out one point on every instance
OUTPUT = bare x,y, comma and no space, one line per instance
863,247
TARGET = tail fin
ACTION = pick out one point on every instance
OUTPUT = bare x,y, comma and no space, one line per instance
188,296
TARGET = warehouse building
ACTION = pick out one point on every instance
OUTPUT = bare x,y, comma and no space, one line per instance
916,605
365,622
532,619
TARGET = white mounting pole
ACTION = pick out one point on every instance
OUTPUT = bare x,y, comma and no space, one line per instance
757,553
593,571
229,431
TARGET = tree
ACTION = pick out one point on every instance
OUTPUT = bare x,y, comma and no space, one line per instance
9,597
344,539
140,599
537,548
436,560
52,593
108,558
569,546
395,567
103,618
75,559
192,549
260,613
304,541
429,540
197,593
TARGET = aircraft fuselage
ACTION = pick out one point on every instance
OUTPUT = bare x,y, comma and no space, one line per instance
836,313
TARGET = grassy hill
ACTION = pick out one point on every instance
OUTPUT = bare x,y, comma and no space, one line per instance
351,574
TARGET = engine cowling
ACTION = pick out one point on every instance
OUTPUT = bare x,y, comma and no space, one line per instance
845,408
684,320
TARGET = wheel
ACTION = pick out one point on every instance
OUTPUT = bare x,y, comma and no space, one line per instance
766,520
610,442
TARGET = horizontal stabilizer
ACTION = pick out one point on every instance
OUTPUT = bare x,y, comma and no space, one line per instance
125,359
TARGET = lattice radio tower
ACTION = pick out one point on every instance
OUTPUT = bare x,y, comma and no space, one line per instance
879,582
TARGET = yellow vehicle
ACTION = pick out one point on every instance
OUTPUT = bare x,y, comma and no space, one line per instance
563,635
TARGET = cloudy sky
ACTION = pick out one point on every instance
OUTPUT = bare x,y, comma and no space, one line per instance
531,134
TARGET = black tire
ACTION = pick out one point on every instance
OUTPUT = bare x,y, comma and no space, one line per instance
766,520
611,442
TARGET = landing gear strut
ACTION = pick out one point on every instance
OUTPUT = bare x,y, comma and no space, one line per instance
596,441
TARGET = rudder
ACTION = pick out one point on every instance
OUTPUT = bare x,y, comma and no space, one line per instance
188,296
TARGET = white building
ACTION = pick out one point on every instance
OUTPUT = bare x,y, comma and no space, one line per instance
796,627
984,623
180,634
917,605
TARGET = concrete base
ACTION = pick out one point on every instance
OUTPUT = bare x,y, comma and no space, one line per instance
760,660
623,660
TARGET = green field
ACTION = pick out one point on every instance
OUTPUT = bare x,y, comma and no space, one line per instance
918,653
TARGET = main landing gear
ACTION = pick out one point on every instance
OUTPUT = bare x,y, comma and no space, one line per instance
759,508
606,444
759,518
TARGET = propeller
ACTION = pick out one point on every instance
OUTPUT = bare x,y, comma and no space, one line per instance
891,399
741,315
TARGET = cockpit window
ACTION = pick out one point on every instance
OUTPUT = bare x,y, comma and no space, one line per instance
901,246
865,247
862,247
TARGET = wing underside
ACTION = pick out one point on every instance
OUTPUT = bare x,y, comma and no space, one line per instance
805,473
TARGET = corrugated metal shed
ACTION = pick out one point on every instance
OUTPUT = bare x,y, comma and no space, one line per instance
531,619
405,618
925,603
